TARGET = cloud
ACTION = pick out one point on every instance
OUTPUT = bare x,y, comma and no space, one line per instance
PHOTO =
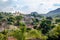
4,0
15,0
8,9
27,6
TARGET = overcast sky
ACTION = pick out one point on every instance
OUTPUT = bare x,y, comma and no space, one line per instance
27,6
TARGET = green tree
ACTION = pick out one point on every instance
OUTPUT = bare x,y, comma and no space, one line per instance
54,34
57,20
4,35
20,34
36,34
35,23
11,20
45,26
18,19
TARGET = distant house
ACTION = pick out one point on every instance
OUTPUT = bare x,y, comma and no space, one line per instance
16,13
30,26
27,19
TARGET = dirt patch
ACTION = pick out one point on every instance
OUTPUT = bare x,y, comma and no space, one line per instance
11,38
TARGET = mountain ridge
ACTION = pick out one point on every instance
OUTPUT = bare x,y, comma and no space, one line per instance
54,12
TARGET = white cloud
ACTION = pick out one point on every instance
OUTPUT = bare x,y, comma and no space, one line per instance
8,9
4,0
41,6
35,5
15,0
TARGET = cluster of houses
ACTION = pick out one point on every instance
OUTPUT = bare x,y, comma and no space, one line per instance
29,19
26,19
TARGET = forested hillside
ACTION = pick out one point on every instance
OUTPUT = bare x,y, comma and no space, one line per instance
18,26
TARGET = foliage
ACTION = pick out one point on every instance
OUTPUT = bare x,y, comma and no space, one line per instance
57,20
35,34
45,26
43,29
11,20
21,32
18,19
4,35
54,33
1,36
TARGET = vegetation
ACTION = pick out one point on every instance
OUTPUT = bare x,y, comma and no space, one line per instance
47,28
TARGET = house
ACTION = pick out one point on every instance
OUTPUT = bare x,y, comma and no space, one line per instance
16,13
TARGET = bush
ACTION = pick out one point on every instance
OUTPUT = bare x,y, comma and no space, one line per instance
1,36
35,34
54,33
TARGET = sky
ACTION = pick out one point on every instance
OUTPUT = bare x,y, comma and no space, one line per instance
28,6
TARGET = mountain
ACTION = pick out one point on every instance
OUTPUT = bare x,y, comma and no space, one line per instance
53,13
34,13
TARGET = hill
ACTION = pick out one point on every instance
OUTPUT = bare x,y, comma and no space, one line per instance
53,13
